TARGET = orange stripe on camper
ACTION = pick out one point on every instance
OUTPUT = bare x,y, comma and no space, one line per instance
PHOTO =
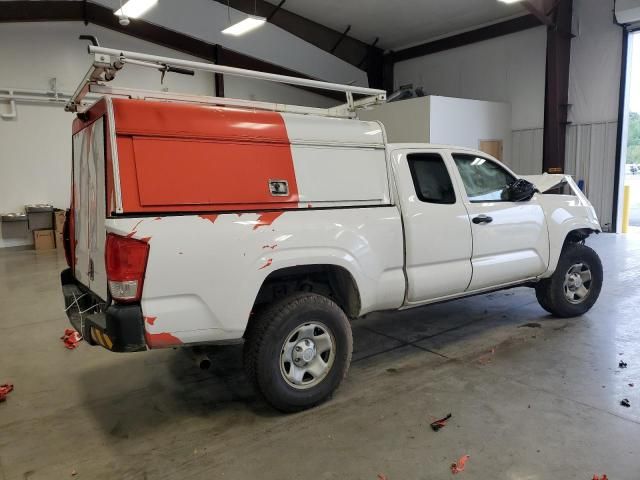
179,158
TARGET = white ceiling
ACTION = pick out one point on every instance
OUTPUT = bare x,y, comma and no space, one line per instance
402,23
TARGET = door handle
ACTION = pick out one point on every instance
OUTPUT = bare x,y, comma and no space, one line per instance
482,219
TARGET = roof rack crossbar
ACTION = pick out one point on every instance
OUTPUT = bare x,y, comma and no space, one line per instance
108,61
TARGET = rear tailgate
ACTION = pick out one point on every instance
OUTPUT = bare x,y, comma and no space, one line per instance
89,206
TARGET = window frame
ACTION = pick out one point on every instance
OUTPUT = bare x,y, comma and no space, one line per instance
455,154
416,185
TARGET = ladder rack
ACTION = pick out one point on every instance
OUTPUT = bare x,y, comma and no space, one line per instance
108,62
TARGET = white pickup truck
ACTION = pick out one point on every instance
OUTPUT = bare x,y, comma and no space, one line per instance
194,224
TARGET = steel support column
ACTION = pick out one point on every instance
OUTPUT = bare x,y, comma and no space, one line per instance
556,102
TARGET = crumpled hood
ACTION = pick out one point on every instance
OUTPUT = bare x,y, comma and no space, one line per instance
547,181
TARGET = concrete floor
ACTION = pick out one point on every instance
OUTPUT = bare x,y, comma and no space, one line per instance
532,397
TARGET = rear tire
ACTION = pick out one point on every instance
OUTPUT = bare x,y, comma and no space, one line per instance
575,285
298,350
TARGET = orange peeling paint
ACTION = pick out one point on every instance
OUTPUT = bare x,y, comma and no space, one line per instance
266,218
160,340
269,262
150,320
211,217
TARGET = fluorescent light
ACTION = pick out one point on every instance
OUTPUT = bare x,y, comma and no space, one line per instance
244,26
135,8
509,1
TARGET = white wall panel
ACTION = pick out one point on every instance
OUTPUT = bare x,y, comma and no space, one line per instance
594,83
238,87
591,158
505,69
465,123
526,156
596,52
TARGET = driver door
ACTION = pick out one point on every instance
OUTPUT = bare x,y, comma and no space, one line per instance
510,239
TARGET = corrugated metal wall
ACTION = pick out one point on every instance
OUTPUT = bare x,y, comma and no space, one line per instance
526,151
591,157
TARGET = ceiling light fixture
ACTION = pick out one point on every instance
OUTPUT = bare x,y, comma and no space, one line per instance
134,8
509,1
250,23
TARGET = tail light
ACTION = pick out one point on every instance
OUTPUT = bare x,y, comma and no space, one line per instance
66,237
126,260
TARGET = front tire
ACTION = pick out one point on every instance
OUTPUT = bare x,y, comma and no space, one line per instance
575,285
298,350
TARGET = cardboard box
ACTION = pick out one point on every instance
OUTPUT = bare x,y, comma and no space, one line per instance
59,241
60,216
44,239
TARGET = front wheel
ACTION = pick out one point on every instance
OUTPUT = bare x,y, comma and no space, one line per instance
298,350
575,285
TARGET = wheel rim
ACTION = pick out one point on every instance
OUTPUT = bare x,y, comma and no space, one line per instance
577,283
307,355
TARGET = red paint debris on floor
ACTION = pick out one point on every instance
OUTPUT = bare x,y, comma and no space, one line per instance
5,390
603,477
441,423
460,464
71,338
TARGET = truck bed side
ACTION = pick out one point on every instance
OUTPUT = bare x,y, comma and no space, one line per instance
185,298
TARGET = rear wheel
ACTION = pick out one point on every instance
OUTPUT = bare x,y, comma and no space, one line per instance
298,350
575,285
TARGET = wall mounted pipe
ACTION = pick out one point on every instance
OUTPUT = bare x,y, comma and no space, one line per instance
13,111
22,95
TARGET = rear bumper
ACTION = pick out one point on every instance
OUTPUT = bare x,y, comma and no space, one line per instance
119,328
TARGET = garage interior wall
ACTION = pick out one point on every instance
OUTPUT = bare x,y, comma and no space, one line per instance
36,146
508,69
594,83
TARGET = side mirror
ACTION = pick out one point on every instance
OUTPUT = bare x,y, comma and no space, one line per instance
519,190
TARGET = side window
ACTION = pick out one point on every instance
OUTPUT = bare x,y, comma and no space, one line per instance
483,179
431,178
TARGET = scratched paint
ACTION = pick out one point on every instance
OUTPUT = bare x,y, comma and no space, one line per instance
266,218
135,227
211,217
272,247
269,262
